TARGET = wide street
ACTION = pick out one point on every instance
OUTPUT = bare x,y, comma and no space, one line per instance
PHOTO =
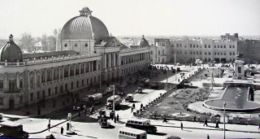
192,130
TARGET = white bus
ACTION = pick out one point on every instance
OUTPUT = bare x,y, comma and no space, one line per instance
131,133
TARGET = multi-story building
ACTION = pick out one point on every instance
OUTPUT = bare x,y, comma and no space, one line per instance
187,50
87,56
161,52
207,50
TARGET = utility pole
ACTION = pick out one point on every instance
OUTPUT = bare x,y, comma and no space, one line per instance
175,58
224,106
114,98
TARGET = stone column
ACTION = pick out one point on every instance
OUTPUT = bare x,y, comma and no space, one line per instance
69,70
110,60
105,61
18,80
35,79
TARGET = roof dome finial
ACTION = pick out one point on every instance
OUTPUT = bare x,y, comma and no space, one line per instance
85,11
11,38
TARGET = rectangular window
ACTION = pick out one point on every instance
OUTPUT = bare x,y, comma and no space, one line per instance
12,85
31,96
1,101
49,92
1,84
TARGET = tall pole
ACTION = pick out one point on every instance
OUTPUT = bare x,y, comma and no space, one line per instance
224,106
113,98
175,58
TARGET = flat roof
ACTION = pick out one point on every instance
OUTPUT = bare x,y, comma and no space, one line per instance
132,130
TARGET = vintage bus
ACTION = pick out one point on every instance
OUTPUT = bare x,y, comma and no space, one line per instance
131,133
142,124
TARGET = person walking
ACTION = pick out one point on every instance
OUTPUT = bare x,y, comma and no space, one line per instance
181,126
133,106
117,117
205,122
217,124
68,126
61,130
141,106
49,126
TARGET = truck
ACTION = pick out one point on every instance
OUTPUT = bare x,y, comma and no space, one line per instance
116,99
92,99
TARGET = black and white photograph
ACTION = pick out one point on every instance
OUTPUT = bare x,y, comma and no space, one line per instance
130,69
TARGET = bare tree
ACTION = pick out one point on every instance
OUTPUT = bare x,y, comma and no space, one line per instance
27,42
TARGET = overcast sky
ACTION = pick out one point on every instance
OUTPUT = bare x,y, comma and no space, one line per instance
134,17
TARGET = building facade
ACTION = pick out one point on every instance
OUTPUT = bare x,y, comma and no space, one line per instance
87,56
187,50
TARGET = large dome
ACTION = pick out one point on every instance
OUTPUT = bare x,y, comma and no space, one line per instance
144,42
84,26
10,52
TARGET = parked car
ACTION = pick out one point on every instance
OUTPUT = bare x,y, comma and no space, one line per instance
129,97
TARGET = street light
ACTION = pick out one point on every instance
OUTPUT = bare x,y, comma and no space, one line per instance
224,106
114,98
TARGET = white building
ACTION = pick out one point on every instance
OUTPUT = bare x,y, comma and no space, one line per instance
87,56
188,50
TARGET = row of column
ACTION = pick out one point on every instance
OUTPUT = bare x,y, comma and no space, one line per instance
110,60
58,73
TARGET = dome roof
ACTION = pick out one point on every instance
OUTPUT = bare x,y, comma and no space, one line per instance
144,42
10,52
84,26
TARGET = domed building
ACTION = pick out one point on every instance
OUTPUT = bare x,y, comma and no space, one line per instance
87,57
82,32
10,52
144,42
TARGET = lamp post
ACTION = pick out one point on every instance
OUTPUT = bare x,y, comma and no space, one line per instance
114,98
224,106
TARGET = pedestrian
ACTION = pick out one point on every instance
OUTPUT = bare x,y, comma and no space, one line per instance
117,117
111,115
133,106
49,126
194,118
61,130
181,126
142,105
205,122
68,126
217,124
165,119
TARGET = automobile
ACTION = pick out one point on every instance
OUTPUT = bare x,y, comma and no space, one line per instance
115,99
129,97
142,124
103,122
10,129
